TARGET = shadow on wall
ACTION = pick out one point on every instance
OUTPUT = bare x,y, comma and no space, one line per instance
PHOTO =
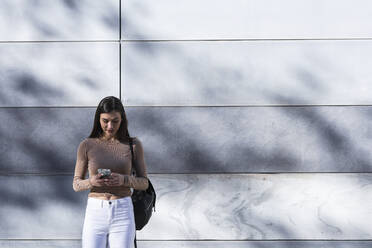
38,145
40,141
241,139
314,139
235,139
38,151
44,140
59,20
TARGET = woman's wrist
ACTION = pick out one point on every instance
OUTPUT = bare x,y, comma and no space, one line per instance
90,185
125,180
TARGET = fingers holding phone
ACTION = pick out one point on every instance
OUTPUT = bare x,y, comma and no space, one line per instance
97,180
116,179
101,178
107,178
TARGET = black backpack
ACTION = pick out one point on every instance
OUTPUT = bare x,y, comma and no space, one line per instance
143,200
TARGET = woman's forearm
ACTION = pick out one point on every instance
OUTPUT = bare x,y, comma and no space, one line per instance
81,184
139,183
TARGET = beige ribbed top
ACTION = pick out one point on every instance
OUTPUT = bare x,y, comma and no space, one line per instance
95,153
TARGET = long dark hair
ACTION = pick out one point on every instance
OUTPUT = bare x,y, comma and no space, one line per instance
107,105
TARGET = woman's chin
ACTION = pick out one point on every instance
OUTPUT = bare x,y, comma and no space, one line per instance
109,134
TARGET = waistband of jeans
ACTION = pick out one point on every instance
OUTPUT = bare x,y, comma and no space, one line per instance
103,203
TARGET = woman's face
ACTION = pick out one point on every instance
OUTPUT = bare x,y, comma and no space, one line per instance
110,123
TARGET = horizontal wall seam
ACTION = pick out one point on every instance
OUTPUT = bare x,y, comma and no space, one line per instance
255,105
178,173
246,39
214,240
206,106
187,40
60,41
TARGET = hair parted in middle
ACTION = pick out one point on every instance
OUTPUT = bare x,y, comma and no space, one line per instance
107,105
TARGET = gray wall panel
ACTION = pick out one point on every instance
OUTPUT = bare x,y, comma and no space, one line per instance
196,244
198,140
59,20
261,139
192,207
58,74
247,73
40,207
42,140
221,19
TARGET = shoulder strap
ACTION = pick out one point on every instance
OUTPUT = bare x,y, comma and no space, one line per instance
133,172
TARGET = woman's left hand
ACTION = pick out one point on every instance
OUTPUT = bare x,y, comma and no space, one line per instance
115,179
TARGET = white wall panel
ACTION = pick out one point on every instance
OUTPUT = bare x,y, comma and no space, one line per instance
242,19
209,206
282,206
194,244
250,72
58,74
40,20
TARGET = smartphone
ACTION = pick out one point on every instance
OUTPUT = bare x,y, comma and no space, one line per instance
105,173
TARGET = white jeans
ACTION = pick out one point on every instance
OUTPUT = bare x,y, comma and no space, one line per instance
109,224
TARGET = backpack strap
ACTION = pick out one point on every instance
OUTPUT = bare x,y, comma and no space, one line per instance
133,170
135,241
133,173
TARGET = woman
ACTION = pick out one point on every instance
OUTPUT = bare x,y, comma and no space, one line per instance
109,218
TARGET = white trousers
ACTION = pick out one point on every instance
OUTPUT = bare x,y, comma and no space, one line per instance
109,224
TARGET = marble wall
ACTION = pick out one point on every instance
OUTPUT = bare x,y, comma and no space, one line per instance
255,117
304,206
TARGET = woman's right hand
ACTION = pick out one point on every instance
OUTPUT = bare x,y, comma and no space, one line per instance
96,181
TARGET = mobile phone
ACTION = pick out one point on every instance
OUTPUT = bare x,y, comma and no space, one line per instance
105,173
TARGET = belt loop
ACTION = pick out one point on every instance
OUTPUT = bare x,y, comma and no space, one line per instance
101,203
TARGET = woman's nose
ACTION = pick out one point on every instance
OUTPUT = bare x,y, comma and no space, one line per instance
109,125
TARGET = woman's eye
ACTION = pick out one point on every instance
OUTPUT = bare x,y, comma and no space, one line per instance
106,121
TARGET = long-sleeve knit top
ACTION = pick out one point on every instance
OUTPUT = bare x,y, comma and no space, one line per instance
95,153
